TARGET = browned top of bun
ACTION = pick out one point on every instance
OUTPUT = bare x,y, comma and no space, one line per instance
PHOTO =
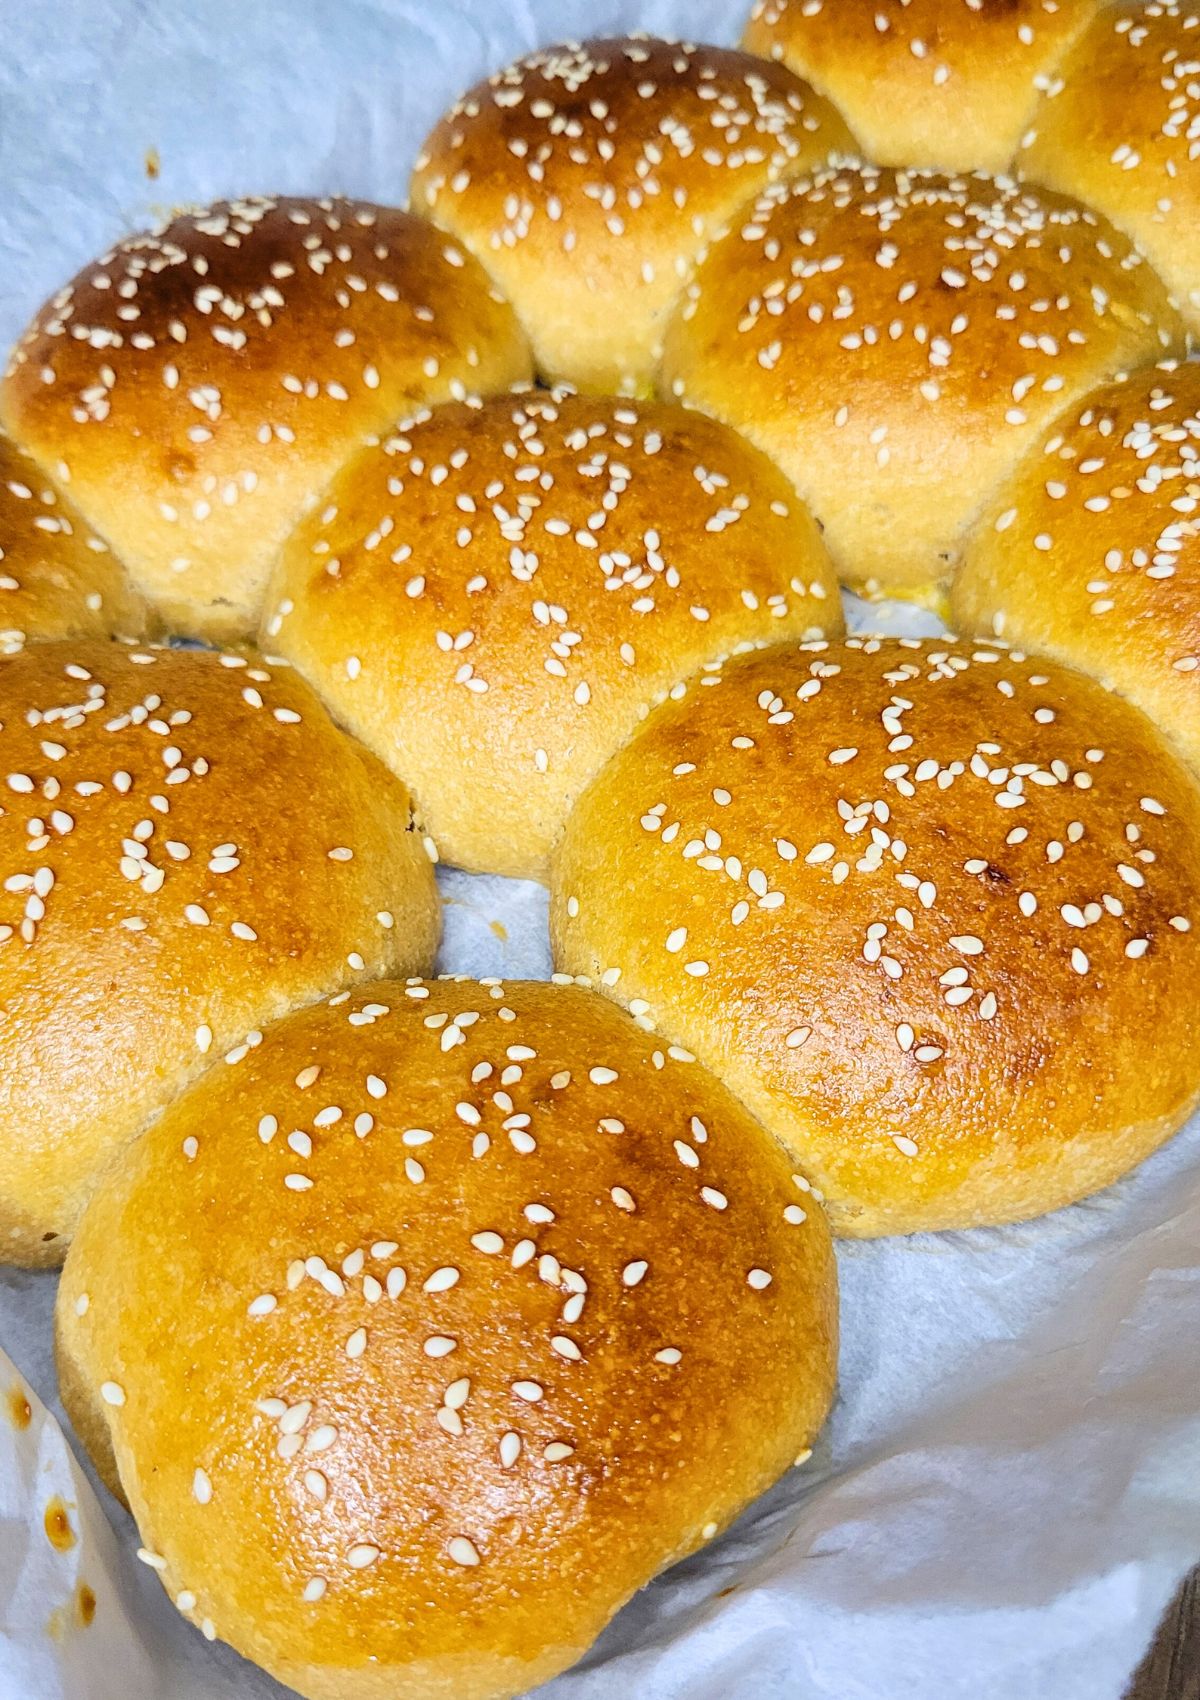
1091,551
933,909
895,340
432,1329
188,848
944,83
587,177
57,578
492,597
1118,129
199,383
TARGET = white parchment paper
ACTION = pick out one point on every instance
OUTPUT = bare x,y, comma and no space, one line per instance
1008,1490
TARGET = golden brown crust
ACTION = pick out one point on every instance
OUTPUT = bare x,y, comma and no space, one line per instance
587,178
930,909
960,79
895,341
424,1425
491,598
1118,129
57,578
1091,551
188,849
196,386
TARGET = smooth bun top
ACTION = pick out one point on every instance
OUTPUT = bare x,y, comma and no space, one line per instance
932,908
492,597
196,385
188,848
57,578
949,84
896,340
587,178
1091,551
1119,130
492,1307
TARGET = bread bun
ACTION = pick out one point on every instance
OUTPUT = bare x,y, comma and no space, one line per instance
1118,128
188,849
57,578
929,908
896,340
199,384
412,1398
491,598
1090,552
588,178
949,84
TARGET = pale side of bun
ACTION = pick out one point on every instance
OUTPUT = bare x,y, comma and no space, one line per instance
587,179
931,909
492,597
1118,128
188,849
427,1333
897,340
945,84
195,387
57,578
1090,552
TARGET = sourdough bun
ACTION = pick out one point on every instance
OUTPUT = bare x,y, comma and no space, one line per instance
492,597
930,908
57,578
948,84
411,1398
587,178
1118,128
196,386
896,340
1090,552
188,848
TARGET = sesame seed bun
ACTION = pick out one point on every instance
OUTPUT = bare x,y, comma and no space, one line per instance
587,179
491,598
57,578
896,340
949,84
188,849
197,386
470,1310
929,908
1118,129
1091,551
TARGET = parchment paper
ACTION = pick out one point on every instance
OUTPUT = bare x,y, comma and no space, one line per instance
1008,1490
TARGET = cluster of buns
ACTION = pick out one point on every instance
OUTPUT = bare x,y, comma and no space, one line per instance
420,1322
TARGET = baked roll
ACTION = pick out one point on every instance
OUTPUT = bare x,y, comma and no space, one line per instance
199,384
494,595
895,341
1090,552
188,849
931,908
588,177
425,1334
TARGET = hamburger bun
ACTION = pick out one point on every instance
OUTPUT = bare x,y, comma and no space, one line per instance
946,84
1090,552
587,178
196,386
188,849
1118,128
57,578
411,1398
932,909
492,596
895,341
